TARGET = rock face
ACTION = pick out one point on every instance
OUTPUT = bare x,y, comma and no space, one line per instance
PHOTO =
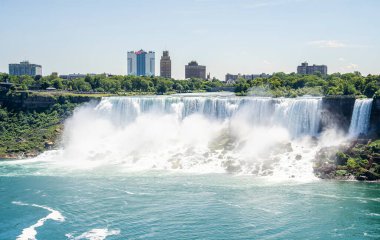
375,119
337,112
27,101
49,144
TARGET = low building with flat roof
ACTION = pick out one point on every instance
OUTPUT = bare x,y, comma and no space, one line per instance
76,76
231,78
193,70
25,68
305,69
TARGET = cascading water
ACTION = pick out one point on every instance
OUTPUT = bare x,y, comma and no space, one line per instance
299,116
246,135
360,117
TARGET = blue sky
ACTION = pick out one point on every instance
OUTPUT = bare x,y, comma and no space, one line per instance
228,36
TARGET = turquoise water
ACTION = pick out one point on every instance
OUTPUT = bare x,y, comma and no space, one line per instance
107,204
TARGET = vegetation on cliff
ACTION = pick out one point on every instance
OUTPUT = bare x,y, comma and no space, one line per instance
26,133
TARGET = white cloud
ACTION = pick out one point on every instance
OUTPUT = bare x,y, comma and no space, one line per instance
268,3
267,62
334,44
350,67
341,59
328,44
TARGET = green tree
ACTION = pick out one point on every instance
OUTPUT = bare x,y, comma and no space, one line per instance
57,83
370,89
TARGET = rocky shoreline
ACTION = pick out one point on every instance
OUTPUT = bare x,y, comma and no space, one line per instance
356,160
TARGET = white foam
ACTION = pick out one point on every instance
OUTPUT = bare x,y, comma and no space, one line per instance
259,136
30,232
373,214
95,234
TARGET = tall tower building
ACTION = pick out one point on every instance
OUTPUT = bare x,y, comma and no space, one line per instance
141,63
165,65
193,70
25,68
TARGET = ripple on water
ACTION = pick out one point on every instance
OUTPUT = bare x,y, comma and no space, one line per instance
30,233
95,234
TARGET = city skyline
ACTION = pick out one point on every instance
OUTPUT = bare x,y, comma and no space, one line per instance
241,36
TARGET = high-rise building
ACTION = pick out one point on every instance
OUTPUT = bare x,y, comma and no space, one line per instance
193,70
165,65
25,68
307,70
141,63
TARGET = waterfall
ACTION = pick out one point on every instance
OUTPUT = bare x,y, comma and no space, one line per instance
360,117
300,116
248,135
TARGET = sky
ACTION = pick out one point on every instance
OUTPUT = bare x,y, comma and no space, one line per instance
227,36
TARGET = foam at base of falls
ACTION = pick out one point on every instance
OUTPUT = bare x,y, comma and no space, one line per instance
360,117
257,136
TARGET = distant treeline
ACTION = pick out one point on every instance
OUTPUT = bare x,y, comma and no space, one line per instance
112,84
280,84
292,85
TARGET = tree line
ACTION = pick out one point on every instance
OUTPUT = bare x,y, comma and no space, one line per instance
292,85
111,84
278,85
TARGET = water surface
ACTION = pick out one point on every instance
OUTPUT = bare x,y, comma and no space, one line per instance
166,205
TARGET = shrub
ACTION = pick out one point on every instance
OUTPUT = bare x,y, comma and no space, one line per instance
341,172
352,164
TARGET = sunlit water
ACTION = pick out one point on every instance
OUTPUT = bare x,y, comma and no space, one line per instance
187,167
167,205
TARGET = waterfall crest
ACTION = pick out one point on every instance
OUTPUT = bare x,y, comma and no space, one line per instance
299,116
